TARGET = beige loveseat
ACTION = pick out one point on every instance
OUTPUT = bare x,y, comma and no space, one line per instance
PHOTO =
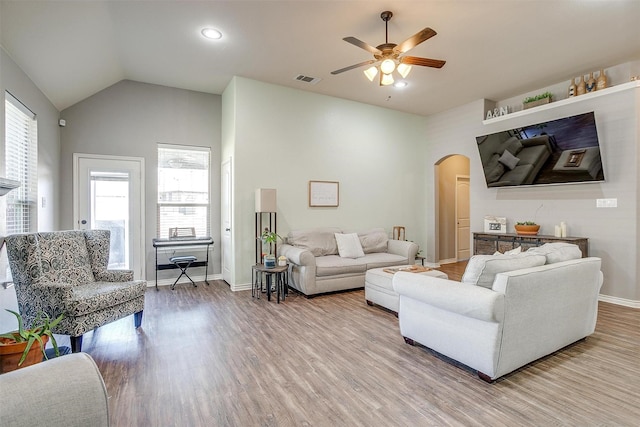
508,311
316,265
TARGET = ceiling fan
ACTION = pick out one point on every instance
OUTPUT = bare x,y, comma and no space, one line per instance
389,56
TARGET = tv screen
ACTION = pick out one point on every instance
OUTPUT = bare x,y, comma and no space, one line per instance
556,152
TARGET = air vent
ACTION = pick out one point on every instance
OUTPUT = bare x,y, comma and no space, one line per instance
307,79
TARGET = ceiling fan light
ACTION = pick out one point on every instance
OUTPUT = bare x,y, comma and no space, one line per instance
386,79
404,70
387,66
371,73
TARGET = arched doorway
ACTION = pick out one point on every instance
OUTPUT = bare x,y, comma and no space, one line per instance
452,209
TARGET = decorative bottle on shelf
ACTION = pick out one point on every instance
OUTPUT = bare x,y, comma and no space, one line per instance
591,83
573,88
601,83
582,86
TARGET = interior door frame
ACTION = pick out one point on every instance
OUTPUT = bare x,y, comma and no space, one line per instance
226,236
76,194
468,180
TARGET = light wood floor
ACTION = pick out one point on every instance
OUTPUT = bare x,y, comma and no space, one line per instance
207,356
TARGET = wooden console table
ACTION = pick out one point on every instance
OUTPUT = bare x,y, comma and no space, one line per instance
488,243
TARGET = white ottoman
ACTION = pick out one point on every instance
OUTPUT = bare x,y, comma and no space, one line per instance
378,287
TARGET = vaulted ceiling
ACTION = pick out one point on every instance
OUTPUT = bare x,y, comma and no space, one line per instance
493,49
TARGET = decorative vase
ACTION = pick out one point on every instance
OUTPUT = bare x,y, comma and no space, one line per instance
573,88
11,353
527,230
269,261
601,83
591,84
582,86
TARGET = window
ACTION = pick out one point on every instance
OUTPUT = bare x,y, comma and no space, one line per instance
21,164
183,189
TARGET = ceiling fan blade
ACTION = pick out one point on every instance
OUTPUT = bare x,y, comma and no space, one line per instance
354,41
425,62
351,67
415,40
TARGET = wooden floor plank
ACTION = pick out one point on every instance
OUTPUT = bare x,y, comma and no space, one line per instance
209,356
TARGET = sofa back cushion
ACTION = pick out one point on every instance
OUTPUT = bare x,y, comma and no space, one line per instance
482,269
374,240
318,241
557,251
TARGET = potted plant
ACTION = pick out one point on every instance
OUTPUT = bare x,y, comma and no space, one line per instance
527,228
17,349
534,101
269,238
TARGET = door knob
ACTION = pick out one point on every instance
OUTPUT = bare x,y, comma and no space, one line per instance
227,229
83,222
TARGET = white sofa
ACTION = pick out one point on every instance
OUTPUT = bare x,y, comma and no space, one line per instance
316,265
523,314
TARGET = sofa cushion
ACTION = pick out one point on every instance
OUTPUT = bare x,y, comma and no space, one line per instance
513,145
374,240
482,269
332,265
557,252
319,241
380,259
349,245
508,159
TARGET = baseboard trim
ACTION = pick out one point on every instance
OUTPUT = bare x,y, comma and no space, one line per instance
619,301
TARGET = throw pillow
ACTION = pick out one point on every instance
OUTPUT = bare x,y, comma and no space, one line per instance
557,251
508,159
349,245
482,269
515,251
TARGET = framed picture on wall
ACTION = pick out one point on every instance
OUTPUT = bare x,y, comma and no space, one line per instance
324,193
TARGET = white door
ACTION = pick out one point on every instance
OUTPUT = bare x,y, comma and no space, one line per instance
226,246
463,223
108,194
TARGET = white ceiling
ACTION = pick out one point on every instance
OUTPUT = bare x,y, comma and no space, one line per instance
493,49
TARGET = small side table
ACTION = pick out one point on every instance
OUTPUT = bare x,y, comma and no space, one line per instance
421,259
281,280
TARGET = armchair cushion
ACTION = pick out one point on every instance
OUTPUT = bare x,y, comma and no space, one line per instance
101,295
63,258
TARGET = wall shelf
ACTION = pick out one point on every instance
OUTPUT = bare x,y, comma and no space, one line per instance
566,101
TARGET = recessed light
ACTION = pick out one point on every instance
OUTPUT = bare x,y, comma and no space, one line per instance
400,84
211,33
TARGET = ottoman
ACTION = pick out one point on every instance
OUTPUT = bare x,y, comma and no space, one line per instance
378,286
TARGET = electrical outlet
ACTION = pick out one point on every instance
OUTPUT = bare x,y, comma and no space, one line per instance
606,203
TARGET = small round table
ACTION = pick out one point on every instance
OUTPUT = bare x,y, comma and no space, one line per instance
281,280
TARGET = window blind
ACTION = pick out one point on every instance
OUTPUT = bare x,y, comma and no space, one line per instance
21,164
183,189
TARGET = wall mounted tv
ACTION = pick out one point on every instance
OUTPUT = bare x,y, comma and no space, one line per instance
561,151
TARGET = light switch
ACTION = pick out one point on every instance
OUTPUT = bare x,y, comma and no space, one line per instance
606,203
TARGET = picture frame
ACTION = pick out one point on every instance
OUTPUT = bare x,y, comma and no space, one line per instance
495,224
324,193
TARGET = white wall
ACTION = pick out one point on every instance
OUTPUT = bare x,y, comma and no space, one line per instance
130,119
286,137
613,233
12,79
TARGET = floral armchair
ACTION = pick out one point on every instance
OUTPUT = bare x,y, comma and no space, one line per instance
65,272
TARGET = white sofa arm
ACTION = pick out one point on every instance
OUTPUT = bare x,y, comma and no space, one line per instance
404,248
461,298
297,256
64,391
